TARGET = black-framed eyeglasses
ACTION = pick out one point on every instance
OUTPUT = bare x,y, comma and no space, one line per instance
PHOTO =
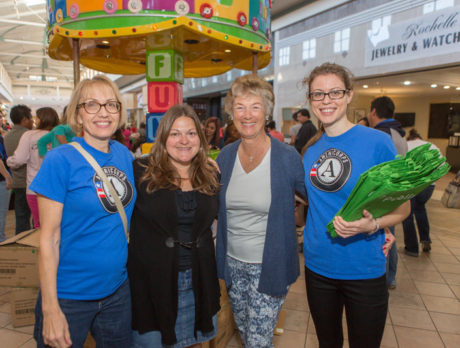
93,107
334,94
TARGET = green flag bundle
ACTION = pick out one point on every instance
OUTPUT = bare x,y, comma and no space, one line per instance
384,187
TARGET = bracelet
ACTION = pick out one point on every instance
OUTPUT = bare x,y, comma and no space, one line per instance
377,227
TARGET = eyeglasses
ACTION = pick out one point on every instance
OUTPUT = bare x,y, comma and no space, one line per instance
93,107
334,94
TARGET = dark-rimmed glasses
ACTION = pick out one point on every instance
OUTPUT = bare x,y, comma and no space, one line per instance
93,107
334,94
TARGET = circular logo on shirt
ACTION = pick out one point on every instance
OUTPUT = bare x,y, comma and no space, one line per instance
331,171
120,183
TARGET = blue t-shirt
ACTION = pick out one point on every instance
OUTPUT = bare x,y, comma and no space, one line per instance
93,248
332,168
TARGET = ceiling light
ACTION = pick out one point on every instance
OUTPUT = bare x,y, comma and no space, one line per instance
406,83
458,88
365,86
434,85
446,87
228,51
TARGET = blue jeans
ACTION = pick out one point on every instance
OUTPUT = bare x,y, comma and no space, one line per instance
392,261
21,210
418,210
108,319
4,202
366,306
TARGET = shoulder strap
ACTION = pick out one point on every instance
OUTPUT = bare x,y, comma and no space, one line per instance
106,181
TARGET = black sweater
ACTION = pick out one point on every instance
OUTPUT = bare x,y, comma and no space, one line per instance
153,266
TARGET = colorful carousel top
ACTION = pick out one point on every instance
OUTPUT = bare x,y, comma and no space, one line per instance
213,36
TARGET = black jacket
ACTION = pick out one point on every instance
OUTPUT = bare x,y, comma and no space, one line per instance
307,131
390,123
153,267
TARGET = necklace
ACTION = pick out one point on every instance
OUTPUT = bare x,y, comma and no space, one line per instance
251,158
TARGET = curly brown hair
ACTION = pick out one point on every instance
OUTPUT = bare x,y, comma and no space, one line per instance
160,173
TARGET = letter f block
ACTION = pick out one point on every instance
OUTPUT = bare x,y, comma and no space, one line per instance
163,95
165,65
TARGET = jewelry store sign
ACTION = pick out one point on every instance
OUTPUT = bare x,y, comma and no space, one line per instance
426,36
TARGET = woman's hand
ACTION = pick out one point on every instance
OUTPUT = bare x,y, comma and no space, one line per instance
390,239
214,164
56,330
346,229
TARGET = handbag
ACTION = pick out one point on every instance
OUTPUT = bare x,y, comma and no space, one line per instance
451,196
106,181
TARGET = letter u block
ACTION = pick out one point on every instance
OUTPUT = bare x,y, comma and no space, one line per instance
163,95
164,65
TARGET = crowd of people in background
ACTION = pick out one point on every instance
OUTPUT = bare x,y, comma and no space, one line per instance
84,179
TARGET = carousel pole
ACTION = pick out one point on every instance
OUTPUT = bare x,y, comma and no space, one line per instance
76,61
255,63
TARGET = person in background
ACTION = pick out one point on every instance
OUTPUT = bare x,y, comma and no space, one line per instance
61,134
27,153
21,117
271,128
171,263
256,234
231,133
6,183
349,270
83,246
418,209
294,129
363,122
212,133
306,132
127,135
381,117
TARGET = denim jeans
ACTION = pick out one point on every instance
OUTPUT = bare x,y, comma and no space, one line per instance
4,202
417,205
366,306
21,210
392,261
108,320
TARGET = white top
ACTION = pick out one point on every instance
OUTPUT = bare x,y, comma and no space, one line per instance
248,202
412,144
27,153
295,129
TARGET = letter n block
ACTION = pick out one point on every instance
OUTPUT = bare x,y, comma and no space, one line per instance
163,95
164,65
152,122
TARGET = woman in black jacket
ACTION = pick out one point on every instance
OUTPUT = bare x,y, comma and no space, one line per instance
171,262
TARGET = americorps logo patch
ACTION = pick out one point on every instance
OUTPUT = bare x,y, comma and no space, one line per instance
331,171
120,183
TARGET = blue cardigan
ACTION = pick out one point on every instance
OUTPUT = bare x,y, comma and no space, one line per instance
280,261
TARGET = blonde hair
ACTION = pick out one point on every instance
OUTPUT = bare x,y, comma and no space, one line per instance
250,84
160,173
72,109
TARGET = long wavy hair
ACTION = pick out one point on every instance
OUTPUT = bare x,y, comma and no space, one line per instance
326,69
216,137
160,173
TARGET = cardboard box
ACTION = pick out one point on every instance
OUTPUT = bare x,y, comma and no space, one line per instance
22,306
19,260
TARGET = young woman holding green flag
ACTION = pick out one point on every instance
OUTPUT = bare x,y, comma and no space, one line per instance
347,271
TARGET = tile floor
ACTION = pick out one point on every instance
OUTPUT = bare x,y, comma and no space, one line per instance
424,309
